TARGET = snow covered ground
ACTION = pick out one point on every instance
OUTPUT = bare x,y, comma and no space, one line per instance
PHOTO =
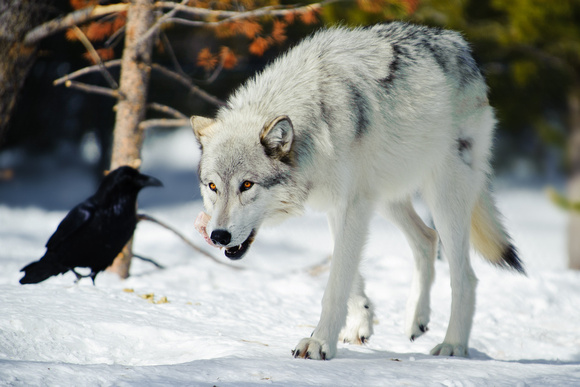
236,326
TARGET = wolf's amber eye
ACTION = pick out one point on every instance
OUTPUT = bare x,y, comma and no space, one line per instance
246,185
212,187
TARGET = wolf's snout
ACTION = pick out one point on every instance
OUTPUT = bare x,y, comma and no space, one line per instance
221,237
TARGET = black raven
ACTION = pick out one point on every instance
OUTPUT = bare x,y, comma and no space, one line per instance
95,231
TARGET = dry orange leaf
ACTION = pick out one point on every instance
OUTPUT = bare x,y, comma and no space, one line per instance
104,53
206,59
250,28
78,4
98,31
259,46
309,17
279,31
228,58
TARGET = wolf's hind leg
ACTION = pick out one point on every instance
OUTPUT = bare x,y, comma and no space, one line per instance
423,243
359,321
451,197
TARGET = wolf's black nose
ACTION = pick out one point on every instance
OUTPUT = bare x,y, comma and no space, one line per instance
221,237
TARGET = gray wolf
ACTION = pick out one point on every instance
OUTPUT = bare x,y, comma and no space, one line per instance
95,231
355,121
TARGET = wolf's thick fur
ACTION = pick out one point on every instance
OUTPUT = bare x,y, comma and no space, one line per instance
353,121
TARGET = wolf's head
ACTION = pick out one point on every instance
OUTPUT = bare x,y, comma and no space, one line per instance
245,176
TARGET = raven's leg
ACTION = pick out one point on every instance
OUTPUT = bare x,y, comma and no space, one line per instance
78,276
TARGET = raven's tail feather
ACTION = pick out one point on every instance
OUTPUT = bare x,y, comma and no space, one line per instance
39,271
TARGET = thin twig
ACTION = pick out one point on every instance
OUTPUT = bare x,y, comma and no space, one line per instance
112,41
188,83
96,58
183,238
86,70
169,48
216,72
159,266
167,110
93,89
165,122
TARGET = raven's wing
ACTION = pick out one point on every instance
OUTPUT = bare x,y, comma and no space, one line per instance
73,222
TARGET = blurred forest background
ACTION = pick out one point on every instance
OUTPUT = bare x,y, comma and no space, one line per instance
529,51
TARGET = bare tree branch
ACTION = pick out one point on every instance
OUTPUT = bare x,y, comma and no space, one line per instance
74,18
160,22
144,125
188,83
85,70
93,89
186,240
96,58
167,110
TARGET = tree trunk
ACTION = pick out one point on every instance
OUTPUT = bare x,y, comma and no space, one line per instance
574,182
17,17
134,82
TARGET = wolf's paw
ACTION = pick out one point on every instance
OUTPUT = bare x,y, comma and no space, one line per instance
445,349
359,323
311,348
417,328
417,317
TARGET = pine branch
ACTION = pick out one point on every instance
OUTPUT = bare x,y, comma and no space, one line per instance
93,89
229,16
93,12
186,240
85,70
164,122
159,23
96,58
74,18
187,83
167,110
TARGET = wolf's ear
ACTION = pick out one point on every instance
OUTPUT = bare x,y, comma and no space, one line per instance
277,136
201,126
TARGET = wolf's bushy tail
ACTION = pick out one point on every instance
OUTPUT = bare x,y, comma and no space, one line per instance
490,238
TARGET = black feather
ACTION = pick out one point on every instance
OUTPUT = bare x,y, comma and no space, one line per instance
95,231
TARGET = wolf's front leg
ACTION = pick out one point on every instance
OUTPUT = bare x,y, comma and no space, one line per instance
359,320
349,226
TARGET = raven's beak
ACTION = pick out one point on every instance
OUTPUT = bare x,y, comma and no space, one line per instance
149,181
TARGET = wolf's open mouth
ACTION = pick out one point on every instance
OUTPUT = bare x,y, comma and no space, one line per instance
237,252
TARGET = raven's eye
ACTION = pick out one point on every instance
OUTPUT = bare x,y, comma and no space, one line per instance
246,185
212,187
